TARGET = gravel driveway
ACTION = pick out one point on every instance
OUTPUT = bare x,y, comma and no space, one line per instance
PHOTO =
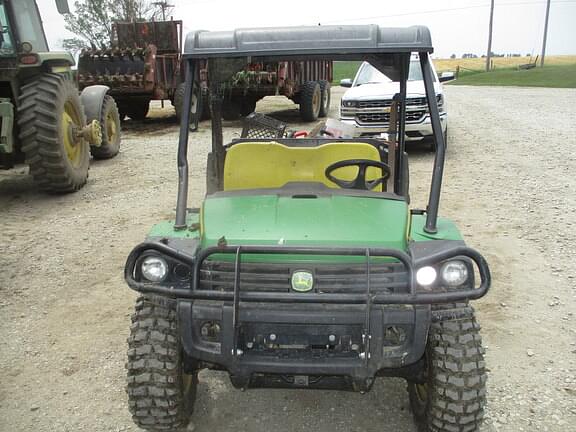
510,185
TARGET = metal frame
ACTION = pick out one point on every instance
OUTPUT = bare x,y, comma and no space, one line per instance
379,57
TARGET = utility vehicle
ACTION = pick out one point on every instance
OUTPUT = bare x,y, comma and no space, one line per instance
304,266
45,121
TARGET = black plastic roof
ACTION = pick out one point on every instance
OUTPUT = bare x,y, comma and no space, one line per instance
312,40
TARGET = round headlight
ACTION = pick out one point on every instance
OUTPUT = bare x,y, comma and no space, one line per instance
348,103
154,268
454,273
426,276
26,47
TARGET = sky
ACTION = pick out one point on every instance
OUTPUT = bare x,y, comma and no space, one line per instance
457,26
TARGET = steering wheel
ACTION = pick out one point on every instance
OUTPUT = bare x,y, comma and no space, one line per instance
360,181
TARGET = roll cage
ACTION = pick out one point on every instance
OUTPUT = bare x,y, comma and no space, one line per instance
387,49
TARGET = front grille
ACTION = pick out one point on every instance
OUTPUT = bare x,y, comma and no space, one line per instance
385,103
411,116
328,278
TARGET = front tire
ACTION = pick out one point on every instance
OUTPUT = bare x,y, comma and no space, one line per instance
110,122
138,109
160,393
49,116
453,397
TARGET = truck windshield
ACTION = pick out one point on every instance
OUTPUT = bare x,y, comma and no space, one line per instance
368,74
6,41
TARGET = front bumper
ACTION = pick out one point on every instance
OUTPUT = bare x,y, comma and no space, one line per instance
322,340
413,131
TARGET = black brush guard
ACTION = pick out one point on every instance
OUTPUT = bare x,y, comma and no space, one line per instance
267,308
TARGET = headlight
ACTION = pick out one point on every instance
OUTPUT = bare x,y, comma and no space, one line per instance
426,276
154,268
348,104
454,273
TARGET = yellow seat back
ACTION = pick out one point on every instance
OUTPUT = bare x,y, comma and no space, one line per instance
254,165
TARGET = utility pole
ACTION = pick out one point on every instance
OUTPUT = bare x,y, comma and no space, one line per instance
489,53
545,34
164,5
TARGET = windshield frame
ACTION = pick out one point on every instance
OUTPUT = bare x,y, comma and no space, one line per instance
5,14
413,69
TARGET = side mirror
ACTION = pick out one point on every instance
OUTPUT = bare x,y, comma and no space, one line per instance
447,76
346,82
62,6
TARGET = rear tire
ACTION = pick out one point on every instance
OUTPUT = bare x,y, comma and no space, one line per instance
138,109
247,106
231,109
160,394
454,395
310,101
110,123
326,97
49,108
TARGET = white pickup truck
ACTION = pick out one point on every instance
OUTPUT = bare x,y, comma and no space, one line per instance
366,104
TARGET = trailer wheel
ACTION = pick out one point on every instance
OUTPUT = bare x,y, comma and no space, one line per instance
325,93
231,109
160,392
110,123
453,396
247,106
50,116
138,109
310,101
196,109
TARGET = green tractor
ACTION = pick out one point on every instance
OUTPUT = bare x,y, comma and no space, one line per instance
304,266
46,123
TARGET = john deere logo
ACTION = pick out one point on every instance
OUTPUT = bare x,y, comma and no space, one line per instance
302,281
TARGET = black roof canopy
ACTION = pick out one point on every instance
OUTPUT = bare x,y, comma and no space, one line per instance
333,41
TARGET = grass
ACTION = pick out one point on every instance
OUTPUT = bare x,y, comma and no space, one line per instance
344,69
560,71
558,76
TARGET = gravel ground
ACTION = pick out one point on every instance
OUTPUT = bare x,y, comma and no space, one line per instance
509,185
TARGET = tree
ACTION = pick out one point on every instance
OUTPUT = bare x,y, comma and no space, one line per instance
453,56
92,20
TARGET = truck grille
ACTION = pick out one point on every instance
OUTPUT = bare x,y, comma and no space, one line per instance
328,278
411,116
385,103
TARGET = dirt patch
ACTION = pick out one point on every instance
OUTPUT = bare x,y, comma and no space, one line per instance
65,309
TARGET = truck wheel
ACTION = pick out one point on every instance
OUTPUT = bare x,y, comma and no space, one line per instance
49,114
247,106
110,123
325,95
231,110
160,394
138,110
310,101
195,109
454,395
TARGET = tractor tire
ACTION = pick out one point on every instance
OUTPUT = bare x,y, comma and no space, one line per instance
138,110
310,101
326,97
195,110
160,394
454,395
247,106
49,109
110,123
231,109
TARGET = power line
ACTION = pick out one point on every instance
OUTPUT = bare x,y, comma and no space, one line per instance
444,10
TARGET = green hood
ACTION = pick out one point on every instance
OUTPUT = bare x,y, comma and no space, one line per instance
335,220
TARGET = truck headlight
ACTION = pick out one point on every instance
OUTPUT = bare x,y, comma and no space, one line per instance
426,276
454,273
348,104
154,268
